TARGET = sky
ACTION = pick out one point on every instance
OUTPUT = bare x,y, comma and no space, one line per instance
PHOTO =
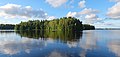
100,13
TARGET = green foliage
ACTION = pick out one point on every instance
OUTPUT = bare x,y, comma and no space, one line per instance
88,27
62,24
6,26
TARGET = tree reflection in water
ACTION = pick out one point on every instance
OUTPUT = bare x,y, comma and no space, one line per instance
63,36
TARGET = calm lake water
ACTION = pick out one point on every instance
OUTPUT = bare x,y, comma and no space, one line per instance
89,43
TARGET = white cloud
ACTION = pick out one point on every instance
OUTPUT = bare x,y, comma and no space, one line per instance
17,11
85,11
88,11
114,11
87,15
71,14
51,17
92,21
91,16
82,4
56,3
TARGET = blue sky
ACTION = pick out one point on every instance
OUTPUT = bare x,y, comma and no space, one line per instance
100,13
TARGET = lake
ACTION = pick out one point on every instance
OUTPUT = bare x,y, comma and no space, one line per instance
89,43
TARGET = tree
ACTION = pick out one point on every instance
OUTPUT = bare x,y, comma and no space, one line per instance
61,24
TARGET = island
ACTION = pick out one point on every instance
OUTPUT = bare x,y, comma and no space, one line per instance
59,24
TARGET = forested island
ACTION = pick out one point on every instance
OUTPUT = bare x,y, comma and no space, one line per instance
60,24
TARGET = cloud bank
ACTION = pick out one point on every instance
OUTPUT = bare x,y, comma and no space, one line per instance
88,15
17,11
86,11
114,11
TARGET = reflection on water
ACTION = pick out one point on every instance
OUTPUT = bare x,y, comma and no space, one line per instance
89,43
114,46
62,36
11,43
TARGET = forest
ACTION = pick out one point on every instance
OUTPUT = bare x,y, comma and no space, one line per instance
88,27
7,26
60,24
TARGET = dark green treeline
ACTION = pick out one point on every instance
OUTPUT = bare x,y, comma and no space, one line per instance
7,26
62,24
88,27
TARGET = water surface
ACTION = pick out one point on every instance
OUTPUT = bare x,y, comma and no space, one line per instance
89,43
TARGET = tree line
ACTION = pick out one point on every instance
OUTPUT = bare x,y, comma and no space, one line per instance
88,27
7,26
60,24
